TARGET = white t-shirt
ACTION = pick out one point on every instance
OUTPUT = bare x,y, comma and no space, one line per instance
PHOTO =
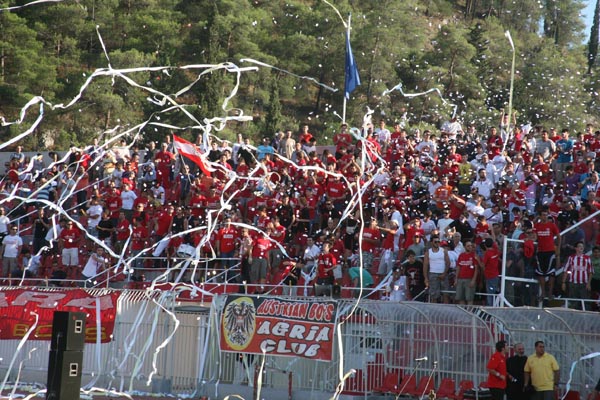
128,197
33,264
11,246
4,222
94,210
91,267
398,289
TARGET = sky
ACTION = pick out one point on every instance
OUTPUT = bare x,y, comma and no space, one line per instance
588,16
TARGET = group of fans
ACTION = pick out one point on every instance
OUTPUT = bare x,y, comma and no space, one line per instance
420,215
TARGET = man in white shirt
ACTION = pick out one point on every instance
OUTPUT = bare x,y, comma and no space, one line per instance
452,128
94,265
11,248
427,145
493,215
4,222
443,224
94,214
383,135
483,185
475,210
484,162
397,288
128,197
311,253
397,216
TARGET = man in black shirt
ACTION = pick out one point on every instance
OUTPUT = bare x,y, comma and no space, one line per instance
415,277
106,227
40,229
514,369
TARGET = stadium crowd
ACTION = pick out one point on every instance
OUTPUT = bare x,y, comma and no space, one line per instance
425,213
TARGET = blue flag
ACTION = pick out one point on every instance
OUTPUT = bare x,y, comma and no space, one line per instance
352,78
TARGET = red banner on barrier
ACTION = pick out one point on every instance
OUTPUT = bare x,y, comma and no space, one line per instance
292,328
18,309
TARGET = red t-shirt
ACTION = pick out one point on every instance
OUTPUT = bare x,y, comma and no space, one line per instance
497,363
325,261
279,234
114,204
123,230
388,241
261,247
138,237
369,233
70,237
466,265
163,222
491,263
227,238
546,232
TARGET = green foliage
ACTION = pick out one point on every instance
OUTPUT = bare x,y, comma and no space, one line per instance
456,46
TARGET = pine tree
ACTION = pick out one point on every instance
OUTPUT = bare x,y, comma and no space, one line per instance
273,117
594,38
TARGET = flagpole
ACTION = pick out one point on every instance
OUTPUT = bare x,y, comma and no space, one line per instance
345,99
512,82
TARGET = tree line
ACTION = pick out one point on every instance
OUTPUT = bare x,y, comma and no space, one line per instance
458,47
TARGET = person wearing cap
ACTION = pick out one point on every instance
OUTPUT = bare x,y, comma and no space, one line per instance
417,246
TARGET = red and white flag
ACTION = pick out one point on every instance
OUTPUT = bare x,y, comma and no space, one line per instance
190,151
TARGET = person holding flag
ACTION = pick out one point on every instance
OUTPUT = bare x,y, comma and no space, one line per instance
352,78
191,152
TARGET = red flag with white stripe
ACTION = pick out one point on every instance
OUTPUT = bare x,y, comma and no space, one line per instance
190,151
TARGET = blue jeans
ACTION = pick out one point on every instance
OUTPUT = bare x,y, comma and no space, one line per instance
492,286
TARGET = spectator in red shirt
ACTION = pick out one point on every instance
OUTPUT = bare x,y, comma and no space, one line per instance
163,160
114,203
342,142
122,232
370,242
69,243
467,272
139,240
326,264
259,261
548,252
305,136
491,270
226,243
496,368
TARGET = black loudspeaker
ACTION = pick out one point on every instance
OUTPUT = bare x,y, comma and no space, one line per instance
68,331
64,375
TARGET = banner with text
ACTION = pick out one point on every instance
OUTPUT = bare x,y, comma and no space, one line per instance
278,327
18,309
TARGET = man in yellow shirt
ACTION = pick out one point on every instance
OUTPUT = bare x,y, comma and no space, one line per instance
541,369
